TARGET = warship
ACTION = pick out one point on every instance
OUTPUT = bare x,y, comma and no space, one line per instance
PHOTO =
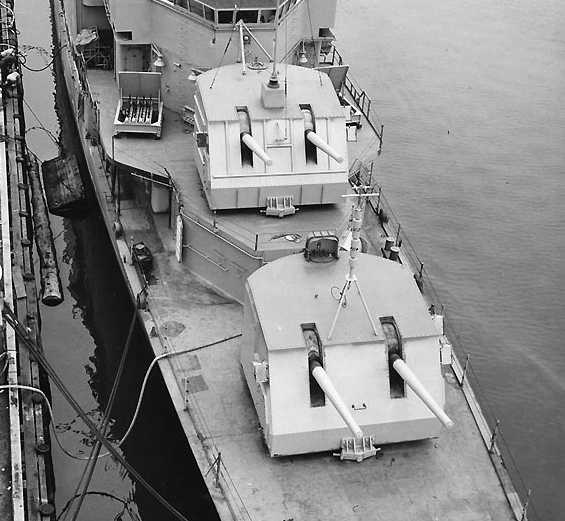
306,361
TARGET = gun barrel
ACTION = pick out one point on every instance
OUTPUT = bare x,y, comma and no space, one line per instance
317,141
412,381
256,148
330,391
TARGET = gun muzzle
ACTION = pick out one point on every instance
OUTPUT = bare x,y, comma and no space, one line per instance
247,138
318,142
333,396
412,381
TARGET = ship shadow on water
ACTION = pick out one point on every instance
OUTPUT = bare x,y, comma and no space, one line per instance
157,447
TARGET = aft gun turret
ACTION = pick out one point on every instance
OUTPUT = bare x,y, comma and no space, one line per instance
376,379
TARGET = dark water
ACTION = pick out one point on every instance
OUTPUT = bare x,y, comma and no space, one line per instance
472,95
84,337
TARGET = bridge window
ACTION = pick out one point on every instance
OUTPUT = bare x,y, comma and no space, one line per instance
225,17
208,13
267,16
196,7
229,16
249,17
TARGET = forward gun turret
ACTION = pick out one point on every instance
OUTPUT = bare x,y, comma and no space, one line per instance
256,147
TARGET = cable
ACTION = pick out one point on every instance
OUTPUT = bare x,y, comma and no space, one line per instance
24,338
38,70
94,455
223,55
124,502
2,355
39,355
46,130
148,372
53,58
49,408
41,125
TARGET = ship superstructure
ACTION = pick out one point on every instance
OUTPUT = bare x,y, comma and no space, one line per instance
180,38
244,200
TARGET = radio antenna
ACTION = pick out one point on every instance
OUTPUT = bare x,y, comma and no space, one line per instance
274,81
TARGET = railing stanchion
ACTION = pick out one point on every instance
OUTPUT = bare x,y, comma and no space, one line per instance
379,201
218,463
525,508
381,139
465,371
494,435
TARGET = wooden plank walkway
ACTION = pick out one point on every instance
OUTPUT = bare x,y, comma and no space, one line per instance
11,479
31,489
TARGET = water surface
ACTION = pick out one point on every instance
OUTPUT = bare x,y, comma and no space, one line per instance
472,95
84,337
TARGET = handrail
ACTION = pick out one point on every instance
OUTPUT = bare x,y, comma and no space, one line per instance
233,245
359,96
498,448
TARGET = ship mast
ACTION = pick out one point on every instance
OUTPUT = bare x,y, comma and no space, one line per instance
351,277
274,81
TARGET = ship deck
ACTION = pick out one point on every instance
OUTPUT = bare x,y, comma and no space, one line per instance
172,155
449,478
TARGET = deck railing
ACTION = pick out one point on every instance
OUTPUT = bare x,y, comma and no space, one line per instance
518,493
358,95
